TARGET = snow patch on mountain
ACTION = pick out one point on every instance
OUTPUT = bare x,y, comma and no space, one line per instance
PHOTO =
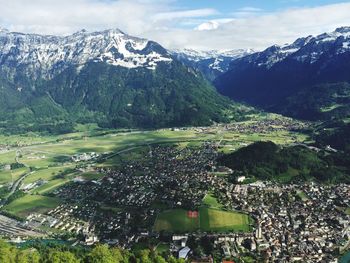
214,59
47,56
306,50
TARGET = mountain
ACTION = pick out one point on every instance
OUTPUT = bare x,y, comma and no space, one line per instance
286,79
210,63
51,82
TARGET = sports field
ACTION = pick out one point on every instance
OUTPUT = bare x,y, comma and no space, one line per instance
176,220
221,221
28,204
209,219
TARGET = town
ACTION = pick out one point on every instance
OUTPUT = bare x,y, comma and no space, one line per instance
289,223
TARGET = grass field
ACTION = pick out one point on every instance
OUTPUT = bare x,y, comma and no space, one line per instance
13,175
210,201
221,221
176,220
210,220
45,174
50,186
27,204
7,157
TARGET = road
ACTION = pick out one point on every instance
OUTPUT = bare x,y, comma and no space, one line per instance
14,187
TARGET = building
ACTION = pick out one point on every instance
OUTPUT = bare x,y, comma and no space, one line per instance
183,253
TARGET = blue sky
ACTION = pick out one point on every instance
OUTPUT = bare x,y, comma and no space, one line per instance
229,6
238,8
197,24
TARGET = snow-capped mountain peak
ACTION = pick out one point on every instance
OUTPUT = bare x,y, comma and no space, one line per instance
197,55
46,56
306,50
212,62
3,30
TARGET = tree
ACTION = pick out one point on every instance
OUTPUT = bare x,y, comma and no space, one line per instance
101,254
7,253
55,256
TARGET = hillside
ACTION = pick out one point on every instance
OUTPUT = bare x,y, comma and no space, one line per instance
304,79
49,83
267,161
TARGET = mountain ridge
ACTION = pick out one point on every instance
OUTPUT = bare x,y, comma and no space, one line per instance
270,79
106,77
210,63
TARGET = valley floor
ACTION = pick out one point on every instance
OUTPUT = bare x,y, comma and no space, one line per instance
129,187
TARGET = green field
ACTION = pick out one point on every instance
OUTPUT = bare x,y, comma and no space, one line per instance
210,201
210,220
222,221
176,220
45,174
7,157
13,175
28,204
50,186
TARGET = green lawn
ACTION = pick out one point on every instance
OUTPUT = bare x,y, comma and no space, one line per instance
176,220
28,204
210,201
221,221
210,219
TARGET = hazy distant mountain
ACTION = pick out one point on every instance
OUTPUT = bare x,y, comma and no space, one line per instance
306,79
211,63
107,77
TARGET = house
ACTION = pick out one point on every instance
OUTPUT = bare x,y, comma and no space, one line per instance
226,250
183,253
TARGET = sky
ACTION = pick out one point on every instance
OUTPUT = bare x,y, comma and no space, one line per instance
195,24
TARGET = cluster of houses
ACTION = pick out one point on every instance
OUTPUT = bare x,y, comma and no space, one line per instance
262,126
33,185
305,223
85,157
294,223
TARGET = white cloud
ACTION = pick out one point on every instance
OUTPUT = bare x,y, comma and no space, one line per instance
261,30
184,14
213,24
162,21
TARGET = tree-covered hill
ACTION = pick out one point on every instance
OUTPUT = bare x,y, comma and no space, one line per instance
267,161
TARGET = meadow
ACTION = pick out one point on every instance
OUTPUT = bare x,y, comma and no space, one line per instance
28,204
